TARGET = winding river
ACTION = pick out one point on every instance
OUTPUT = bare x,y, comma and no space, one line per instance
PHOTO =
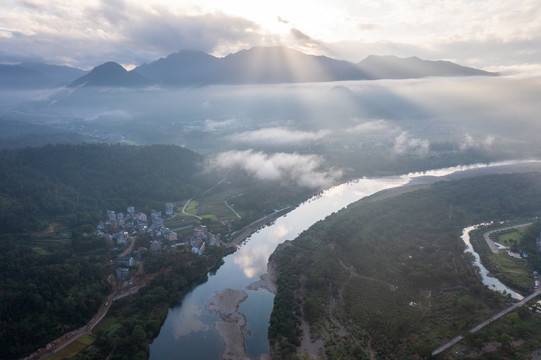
188,332
490,281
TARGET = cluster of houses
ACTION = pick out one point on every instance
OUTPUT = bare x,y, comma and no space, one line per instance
201,238
118,229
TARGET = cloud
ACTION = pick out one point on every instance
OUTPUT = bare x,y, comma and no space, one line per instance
299,35
212,126
118,31
302,170
277,136
404,143
306,43
468,142
372,126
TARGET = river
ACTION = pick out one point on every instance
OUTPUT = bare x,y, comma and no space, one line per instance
490,281
188,331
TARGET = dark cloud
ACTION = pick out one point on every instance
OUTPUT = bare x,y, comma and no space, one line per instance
299,35
306,43
203,32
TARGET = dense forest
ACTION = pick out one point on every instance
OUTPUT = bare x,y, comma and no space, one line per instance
38,183
53,269
388,276
135,321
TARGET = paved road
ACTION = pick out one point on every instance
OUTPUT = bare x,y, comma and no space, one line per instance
185,213
478,327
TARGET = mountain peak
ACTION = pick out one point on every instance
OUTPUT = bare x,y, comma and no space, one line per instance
267,65
110,74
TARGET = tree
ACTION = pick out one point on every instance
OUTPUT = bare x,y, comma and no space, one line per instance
138,334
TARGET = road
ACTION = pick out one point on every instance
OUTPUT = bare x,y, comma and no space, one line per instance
66,339
185,213
239,236
230,208
481,325
129,249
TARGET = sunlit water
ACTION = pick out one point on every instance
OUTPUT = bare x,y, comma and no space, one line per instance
188,332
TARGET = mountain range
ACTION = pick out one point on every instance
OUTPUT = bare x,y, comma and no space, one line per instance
37,76
258,65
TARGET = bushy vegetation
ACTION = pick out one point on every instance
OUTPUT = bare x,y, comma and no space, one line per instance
134,322
42,297
391,271
52,266
38,183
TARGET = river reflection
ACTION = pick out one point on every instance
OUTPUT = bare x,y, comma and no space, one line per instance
188,331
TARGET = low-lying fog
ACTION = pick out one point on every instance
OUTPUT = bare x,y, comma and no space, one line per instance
346,125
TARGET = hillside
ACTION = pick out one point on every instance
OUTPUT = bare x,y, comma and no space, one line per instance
387,277
73,180
111,74
37,76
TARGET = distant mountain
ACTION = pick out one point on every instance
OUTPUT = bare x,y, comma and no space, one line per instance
186,67
265,65
258,65
37,76
283,65
111,74
61,75
392,67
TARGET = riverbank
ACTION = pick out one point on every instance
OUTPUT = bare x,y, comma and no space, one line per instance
239,236
250,261
226,304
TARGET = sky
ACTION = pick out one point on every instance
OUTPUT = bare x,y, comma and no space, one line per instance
495,35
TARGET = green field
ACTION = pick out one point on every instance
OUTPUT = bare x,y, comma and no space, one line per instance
508,238
73,348
54,237
512,271
516,270
105,324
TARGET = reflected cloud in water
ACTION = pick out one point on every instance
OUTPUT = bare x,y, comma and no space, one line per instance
188,320
253,256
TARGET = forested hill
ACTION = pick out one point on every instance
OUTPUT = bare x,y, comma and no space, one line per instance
80,179
387,277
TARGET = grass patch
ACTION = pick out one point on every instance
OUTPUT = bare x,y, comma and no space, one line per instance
514,269
511,237
211,217
511,271
73,348
180,221
41,251
105,324
192,208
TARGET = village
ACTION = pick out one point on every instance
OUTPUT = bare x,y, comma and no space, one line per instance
120,231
